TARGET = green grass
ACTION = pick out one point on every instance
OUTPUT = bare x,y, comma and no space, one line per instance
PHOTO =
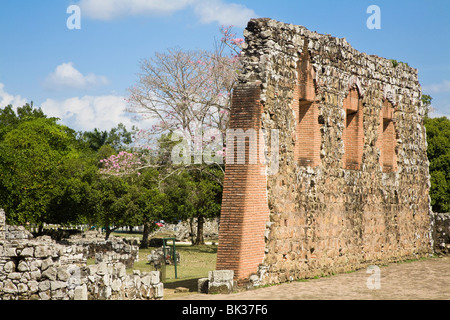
195,262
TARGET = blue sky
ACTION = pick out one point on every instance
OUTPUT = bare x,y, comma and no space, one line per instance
82,75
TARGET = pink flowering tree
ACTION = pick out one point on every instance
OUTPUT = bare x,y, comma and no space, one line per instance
188,91
122,164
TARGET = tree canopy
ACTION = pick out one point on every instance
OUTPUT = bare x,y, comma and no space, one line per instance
438,138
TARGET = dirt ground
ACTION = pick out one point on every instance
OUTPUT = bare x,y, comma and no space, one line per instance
418,280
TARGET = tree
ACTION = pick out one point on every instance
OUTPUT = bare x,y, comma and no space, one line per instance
194,195
75,201
115,207
118,138
426,103
438,138
188,92
10,119
153,206
30,156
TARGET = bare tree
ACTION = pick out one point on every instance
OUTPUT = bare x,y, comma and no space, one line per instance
184,90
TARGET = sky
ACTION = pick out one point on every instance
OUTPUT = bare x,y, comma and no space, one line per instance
81,75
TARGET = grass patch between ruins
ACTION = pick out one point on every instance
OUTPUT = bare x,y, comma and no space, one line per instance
196,262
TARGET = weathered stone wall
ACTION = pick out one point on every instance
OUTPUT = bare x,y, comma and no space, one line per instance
42,269
182,231
111,250
362,195
441,234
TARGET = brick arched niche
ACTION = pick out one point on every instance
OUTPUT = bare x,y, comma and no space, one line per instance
308,138
387,138
353,134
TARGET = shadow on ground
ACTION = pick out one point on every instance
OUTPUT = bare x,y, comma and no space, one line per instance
190,284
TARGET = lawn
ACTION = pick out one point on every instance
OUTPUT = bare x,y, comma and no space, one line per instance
195,263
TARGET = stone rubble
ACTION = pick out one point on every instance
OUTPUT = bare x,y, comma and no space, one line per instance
42,269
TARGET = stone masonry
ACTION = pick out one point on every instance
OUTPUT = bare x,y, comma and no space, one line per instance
442,233
351,182
42,269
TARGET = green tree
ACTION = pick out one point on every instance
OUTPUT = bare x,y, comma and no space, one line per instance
118,138
194,195
75,201
10,119
30,156
152,207
114,207
438,138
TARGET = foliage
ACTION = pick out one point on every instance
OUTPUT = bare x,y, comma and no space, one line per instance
51,174
426,103
29,157
117,138
10,119
194,195
395,63
438,138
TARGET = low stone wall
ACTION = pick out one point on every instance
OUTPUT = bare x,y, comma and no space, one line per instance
182,231
441,233
111,250
17,233
42,269
105,281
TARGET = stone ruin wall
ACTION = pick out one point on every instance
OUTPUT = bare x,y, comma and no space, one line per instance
441,234
42,269
352,183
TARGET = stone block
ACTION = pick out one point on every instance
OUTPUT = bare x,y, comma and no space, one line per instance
116,285
33,286
220,275
203,284
63,274
27,252
42,251
9,287
44,285
159,290
221,281
9,267
50,273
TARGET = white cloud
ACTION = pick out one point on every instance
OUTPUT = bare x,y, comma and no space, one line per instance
89,112
66,76
223,13
207,10
444,86
111,9
7,99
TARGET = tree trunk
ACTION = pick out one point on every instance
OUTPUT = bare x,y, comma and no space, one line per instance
41,229
145,234
191,226
107,232
200,240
